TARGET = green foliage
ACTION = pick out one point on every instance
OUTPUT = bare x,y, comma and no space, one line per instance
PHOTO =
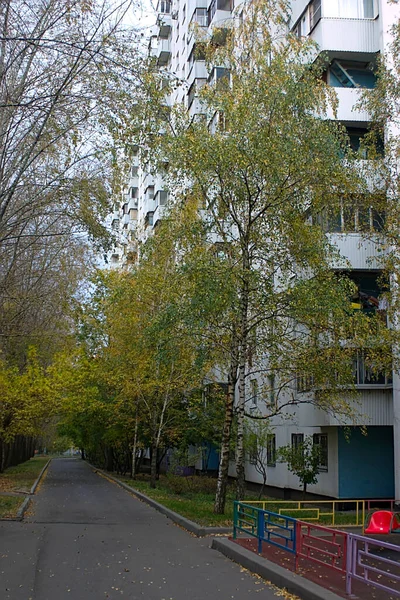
190,485
256,438
303,460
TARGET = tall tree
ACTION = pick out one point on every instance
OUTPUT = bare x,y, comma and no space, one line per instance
267,170
67,71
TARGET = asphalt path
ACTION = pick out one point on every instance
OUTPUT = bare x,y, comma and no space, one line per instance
85,538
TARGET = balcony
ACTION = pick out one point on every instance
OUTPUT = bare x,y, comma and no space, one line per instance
133,213
196,107
152,46
363,378
158,215
347,36
219,12
219,76
346,111
360,250
161,198
163,52
197,70
115,221
199,17
133,203
148,219
164,22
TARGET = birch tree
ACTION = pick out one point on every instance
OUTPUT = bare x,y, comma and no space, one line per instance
267,169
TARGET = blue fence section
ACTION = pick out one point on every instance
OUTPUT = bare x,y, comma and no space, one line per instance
266,526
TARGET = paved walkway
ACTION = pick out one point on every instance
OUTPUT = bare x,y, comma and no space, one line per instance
87,539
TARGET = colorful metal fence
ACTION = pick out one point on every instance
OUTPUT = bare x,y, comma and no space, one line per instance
321,545
362,559
266,526
334,513
373,562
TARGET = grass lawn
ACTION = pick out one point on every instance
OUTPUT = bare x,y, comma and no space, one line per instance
193,498
9,506
23,476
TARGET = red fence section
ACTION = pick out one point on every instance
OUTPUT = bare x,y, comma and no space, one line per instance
321,545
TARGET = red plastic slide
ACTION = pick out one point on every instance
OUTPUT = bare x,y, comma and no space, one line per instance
383,521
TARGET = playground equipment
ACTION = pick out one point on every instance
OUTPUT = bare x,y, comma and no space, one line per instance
383,521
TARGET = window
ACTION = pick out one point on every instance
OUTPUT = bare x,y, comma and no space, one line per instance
272,394
271,450
301,28
196,85
200,17
253,392
304,382
351,74
321,440
364,375
164,6
357,142
315,13
357,213
219,76
161,198
218,5
297,440
134,171
197,53
150,192
184,13
211,11
253,455
349,9
369,289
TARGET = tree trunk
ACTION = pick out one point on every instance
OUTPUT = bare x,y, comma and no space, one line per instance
304,490
153,464
134,449
220,496
109,459
139,460
240,449
264,483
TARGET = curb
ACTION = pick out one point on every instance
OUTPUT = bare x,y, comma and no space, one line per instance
24,506
22,509
42,472
279,576
191,526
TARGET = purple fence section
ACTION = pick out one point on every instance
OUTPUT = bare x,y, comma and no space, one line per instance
373,562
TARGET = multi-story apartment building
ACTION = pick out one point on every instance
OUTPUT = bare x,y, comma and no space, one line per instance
352,33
